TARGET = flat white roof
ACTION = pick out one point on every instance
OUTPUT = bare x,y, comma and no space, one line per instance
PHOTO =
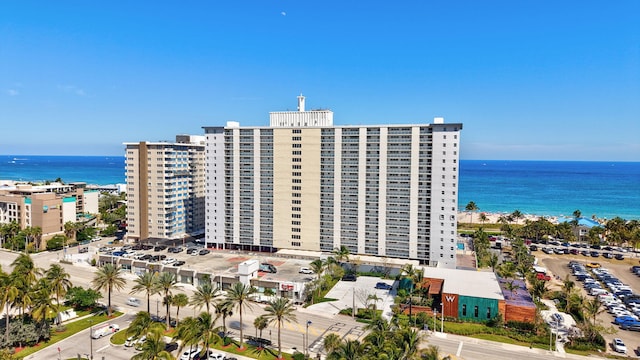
481,284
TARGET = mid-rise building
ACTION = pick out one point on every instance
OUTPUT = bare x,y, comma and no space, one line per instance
47,207
165,188
303,183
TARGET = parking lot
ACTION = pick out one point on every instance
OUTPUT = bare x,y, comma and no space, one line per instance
557,265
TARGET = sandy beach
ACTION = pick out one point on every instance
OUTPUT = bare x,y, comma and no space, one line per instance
492,218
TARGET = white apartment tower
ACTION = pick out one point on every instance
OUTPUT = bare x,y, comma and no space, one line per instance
303,183
165,188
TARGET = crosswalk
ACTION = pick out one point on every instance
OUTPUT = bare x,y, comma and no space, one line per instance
317,335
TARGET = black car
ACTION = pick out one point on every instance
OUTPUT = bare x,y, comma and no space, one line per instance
178,263
147,247
158,257
137,247
203,252
160,248
533,248
146,257
383,286
349,277
175,250
619,257
595,254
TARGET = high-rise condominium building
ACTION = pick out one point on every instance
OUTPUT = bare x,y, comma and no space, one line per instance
165,188
303,183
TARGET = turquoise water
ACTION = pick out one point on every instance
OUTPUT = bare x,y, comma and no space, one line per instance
552,188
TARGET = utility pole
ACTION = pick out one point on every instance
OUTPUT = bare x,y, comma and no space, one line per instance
353,313
442,325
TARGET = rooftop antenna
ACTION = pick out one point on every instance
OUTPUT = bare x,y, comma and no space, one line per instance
301,102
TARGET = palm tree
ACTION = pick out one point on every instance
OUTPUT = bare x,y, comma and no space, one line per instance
140,325
539,289
516,214
318,266
260,323
239,295
341,254
205,294
167,283
179,300
493,261
8,293
202,329
331,342
224,308
24,277
43,307
348,350
593,308
109,277
373,300
483,218
153,347
279,311
147,282
59,281
471,207
432,352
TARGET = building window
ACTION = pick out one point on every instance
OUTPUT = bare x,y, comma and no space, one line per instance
475,311
296,131
488,313
296,243
464,309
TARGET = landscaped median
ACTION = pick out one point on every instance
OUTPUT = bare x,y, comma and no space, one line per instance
66,330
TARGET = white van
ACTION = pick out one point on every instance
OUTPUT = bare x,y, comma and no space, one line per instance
105,330
133,302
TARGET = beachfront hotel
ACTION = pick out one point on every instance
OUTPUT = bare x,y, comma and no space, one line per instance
165,188
302,183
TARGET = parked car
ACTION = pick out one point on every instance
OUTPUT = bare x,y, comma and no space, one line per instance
190,354
203,252
178,263
593,265
84,249
270,268
350,277
305,270
383,286
159,247
618,346
619,257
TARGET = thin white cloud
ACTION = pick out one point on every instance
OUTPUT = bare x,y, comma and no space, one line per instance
72,89
12,92
283,13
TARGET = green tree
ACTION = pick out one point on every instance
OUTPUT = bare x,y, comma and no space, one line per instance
224,308
331,342
493,261
470,208
205,295
239,295
58,280
200,330
260,323
81,298
167,283
179,300
8,294
146,282
109,277
348,350
516,215
279,311
153,347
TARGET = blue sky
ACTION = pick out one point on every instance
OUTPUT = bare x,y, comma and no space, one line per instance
544,80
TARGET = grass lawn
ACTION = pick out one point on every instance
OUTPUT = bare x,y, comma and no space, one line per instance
71,328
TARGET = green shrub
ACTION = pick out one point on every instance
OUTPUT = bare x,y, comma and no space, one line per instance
56,243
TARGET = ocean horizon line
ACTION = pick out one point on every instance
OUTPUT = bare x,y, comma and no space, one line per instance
461,159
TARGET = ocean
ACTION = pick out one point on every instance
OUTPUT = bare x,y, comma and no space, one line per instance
550,188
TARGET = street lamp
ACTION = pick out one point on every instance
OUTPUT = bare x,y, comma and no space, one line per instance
434,319
157,308
442,324
306,348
